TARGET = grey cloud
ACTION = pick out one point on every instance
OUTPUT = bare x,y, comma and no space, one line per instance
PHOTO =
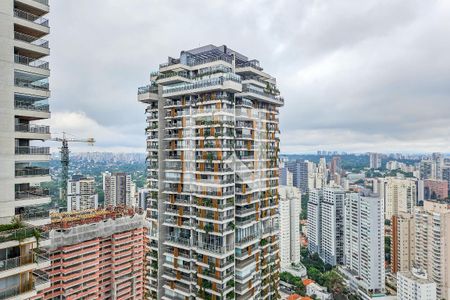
356,75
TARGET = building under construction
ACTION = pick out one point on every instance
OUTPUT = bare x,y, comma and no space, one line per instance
97,254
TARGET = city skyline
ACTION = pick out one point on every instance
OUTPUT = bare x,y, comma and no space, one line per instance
304,45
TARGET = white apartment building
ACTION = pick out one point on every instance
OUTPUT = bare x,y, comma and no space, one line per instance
212,143
415,286
24,159
399,195
332,226
364,244
290,208
118,189
81,193
314,231
432,233
326,224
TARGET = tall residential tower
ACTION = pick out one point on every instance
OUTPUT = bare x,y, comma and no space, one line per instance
212,141
24,91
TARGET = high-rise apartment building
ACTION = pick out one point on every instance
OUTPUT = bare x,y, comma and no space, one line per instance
96,254
81,193
435,189
326,233
432,233
364,244
415,286
213,175
118,189
402,242
374,160
286,176
290,208
399,195
314,230
24,161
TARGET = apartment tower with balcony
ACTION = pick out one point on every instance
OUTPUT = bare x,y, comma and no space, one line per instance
212,141
24,92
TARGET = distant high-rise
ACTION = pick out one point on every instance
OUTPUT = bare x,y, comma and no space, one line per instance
432,233
399,195
374,160
435,189
81,193
118,189
364,243
402,242
212,142
326,224
290,208
24,159
286,176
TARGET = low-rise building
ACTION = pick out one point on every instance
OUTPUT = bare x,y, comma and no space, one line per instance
415,286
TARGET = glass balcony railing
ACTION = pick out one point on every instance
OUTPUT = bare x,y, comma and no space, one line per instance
31,39
32,150
202,83
148,89
32,194
27,61
45,2
37,85
32,171
22,233
32,128
30,17
34,106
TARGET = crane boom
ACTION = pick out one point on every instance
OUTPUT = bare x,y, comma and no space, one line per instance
65,161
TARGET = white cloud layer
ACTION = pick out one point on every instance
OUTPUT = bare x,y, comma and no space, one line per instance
356,75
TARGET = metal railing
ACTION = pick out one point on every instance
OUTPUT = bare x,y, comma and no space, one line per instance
251,63
40,277
32,194
30,17
19,104
33,171
11,263
33,128
203,83
32,150
24,60
45,2
38,85
12,291
35,215
214,248
148,89
20,234
31,39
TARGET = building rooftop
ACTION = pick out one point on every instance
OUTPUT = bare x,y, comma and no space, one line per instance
73,218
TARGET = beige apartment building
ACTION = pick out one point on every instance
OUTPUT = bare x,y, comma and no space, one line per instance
432,236
399,195
402,242
24,93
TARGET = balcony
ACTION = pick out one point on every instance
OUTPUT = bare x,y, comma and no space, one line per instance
41,85
32,197
41,280
37,217
32,171
227,82
31,17
31,108
29,64
21,233
31,46
32,150
32,132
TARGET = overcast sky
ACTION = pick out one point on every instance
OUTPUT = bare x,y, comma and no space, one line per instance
356,75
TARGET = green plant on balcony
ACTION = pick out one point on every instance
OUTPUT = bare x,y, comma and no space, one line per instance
230,283
208,228
154,265
230,295
231,226
263,242
209,157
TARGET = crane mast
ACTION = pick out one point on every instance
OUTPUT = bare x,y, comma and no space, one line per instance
65,161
